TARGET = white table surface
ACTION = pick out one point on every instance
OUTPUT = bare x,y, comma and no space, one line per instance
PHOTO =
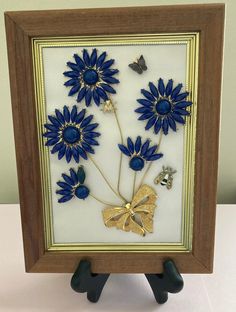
20,291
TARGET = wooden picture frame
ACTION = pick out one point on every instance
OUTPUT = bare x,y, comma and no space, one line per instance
24,31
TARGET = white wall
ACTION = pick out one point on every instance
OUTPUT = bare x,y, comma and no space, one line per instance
227,168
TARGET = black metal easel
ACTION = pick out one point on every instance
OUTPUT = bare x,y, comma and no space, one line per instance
83,280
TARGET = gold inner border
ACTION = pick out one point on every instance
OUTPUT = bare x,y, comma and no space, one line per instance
191,40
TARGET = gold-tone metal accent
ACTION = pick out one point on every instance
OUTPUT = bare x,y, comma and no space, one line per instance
136,216
191,40
165,177
108,106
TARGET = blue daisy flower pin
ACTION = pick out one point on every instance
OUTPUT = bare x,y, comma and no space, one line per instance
91,77
71,133
73,186
139,153
163,106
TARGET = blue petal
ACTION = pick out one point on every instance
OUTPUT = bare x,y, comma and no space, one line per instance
110,80
51,127
80,116
65,198
71,74
93,57
161,87
61,152
74,176
73,66
151,151
91,135
181,96
169,87
71,82
151,122
52,141
75,153
66,113
102,93
90,127
68,179
81,94
178,118
183,104
146,116
145,147
74,89
130,145
107,64
73,113
82,152
124,149
110,72
142,110
157,126
96,97
68,154
138,144
86,121
86,57
54,121
57,147
107,88
101,59
64,185
154,157
63,192
148,95
81,175
171,123
60,116
176,90
88,97
51,134
87,147
165,126
154,90
79,61
91,141
145,102
181,111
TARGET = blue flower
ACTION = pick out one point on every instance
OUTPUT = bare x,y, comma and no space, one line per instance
91,77
73,185
163,106
71,134
139,153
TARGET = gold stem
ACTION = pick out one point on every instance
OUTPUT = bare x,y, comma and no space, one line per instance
105,179
121,154
134,182
101,201
150,163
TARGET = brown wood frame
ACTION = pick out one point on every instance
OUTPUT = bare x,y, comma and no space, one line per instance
20,28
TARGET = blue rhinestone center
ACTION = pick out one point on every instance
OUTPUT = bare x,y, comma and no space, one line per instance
71,134
90,76
136,163
163,107
81,191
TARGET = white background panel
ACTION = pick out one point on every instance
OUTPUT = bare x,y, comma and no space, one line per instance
81,221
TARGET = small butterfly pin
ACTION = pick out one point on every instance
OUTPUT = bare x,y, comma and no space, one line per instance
139,66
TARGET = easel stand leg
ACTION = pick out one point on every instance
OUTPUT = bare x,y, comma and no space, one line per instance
170,281
84,280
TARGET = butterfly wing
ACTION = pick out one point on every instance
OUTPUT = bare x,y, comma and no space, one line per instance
142,63
135,66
